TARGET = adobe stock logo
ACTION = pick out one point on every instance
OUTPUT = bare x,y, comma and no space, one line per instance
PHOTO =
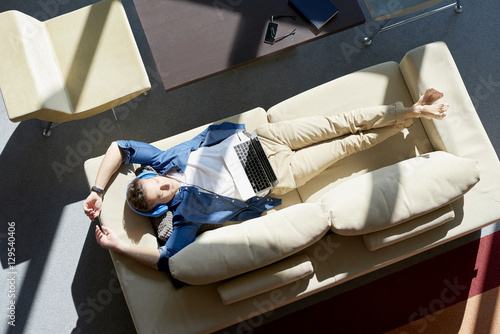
75,156
447,297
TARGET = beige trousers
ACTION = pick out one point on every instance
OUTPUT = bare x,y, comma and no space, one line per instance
300,149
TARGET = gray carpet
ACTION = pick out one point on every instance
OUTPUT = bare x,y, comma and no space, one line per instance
64,282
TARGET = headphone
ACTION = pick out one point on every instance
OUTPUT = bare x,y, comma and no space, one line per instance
158,210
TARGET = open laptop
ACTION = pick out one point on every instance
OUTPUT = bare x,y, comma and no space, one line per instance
249,166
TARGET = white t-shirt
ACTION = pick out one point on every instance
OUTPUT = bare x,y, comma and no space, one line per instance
207,170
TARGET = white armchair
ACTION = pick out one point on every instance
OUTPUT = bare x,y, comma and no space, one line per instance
70,67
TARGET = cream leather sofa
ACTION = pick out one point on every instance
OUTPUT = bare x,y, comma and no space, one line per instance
245,269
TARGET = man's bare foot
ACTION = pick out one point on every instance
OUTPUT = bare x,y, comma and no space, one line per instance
430,96
434,111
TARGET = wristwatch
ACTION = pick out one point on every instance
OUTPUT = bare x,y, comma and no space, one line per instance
98,190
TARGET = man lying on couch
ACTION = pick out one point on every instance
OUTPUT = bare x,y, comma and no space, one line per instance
298,150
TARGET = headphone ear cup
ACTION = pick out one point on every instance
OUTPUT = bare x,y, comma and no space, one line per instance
159,210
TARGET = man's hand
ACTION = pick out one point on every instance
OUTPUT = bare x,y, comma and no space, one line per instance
108,239
92,205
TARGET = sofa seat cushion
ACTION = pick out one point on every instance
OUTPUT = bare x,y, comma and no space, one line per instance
236,249
265,279
397,193
411,228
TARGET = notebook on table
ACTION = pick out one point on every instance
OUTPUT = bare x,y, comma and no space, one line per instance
249,166
317,12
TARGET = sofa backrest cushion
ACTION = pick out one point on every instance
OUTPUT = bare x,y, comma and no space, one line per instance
397,193
236,249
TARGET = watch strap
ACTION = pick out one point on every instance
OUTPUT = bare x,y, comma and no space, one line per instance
98,190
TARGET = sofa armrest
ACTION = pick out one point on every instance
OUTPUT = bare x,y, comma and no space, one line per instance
432,65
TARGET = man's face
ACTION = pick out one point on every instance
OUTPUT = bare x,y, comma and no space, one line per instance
159,190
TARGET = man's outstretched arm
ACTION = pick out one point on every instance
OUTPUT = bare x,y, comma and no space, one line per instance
109,240
109,166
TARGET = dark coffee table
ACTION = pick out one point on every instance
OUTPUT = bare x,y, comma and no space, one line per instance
194,39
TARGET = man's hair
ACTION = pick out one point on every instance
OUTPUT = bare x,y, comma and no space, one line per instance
136,196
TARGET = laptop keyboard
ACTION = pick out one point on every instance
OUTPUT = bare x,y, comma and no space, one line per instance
252,166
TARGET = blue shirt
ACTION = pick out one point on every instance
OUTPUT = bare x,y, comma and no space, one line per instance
190,207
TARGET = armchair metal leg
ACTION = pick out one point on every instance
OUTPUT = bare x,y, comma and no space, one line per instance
46,132
48,129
